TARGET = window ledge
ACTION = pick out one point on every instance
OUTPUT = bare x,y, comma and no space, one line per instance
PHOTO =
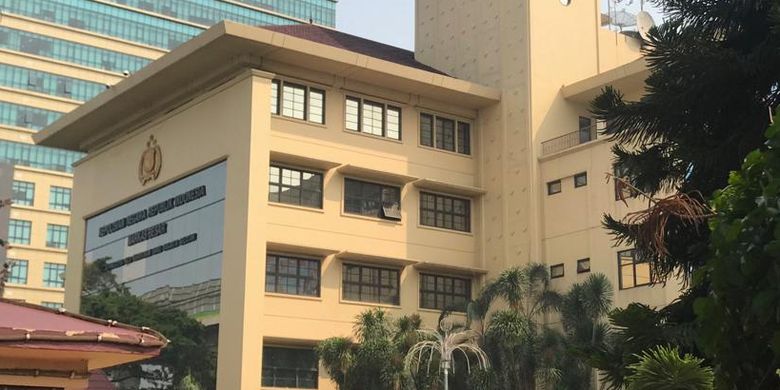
368,173
39,210
302,161
438,312
469,156
367,259
427,266
292,296
299,249
373,219
443,230
296,207
373,136
372,304
298,121
449,188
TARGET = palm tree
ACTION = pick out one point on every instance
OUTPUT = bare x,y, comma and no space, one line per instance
516,340
663,368
445,343
583,312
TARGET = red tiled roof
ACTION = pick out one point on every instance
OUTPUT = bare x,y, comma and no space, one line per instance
30,326
353,43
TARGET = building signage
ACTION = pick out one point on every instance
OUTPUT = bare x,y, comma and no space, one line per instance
166,246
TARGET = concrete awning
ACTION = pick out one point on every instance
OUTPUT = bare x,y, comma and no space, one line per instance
626,78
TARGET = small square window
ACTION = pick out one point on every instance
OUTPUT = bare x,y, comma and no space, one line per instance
583,266
580,180
553,187
556,271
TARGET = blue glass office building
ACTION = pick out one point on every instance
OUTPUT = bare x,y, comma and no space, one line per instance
161,24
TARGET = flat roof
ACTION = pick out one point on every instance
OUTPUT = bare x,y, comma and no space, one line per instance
221,52
627,77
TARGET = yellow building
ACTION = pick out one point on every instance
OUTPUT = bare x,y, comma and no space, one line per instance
54,55
275,182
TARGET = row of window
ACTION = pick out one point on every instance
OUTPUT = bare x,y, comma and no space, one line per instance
632,271
321,11
365,116
296,275
53,273
20,231
62,50
48,83
302,187
555,187
23,194
25,116
35,156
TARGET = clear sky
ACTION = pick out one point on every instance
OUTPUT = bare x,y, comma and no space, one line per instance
386,21
392,21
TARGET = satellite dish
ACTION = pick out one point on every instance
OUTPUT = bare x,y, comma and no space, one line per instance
644,22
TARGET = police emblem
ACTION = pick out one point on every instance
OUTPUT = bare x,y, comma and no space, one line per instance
151,162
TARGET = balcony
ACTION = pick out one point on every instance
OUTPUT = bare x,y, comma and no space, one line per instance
570,140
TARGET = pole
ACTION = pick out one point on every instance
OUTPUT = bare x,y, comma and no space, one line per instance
446,365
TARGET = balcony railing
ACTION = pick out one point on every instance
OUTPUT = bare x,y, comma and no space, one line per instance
570,140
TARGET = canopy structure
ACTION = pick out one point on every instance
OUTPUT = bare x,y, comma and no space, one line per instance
55,348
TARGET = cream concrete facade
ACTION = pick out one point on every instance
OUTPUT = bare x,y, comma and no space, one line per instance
549,60
207,101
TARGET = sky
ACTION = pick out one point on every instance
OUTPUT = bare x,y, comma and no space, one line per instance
392,21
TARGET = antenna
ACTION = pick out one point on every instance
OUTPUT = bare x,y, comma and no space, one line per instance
644,22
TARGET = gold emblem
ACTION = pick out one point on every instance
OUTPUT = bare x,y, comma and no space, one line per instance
151,162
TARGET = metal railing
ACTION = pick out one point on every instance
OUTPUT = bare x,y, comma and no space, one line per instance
570,140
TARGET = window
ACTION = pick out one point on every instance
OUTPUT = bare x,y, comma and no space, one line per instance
372,200
373,118
18,271
445,134
23,193
587,131
580,180
19,231
556,271
445,212
444,292
292,275
36,156
295,186
298,101
370,284
622,190
583,266
53,275
553,187
633,272
52,305
291,368
56,236
59,198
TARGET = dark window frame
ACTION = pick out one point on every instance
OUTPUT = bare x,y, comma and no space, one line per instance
28,186
581,174
550,187
281,186
56,196
447,279
56,280
53,230
463,150
436,212
277,275
581,270
26,227
312,372
633,268
386,108
306,100
396,299
24,266
556,266
382,214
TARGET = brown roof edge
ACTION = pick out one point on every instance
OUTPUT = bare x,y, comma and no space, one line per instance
155,340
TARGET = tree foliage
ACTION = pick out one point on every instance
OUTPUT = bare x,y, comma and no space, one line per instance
713,73
740,318
188,360
662,368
